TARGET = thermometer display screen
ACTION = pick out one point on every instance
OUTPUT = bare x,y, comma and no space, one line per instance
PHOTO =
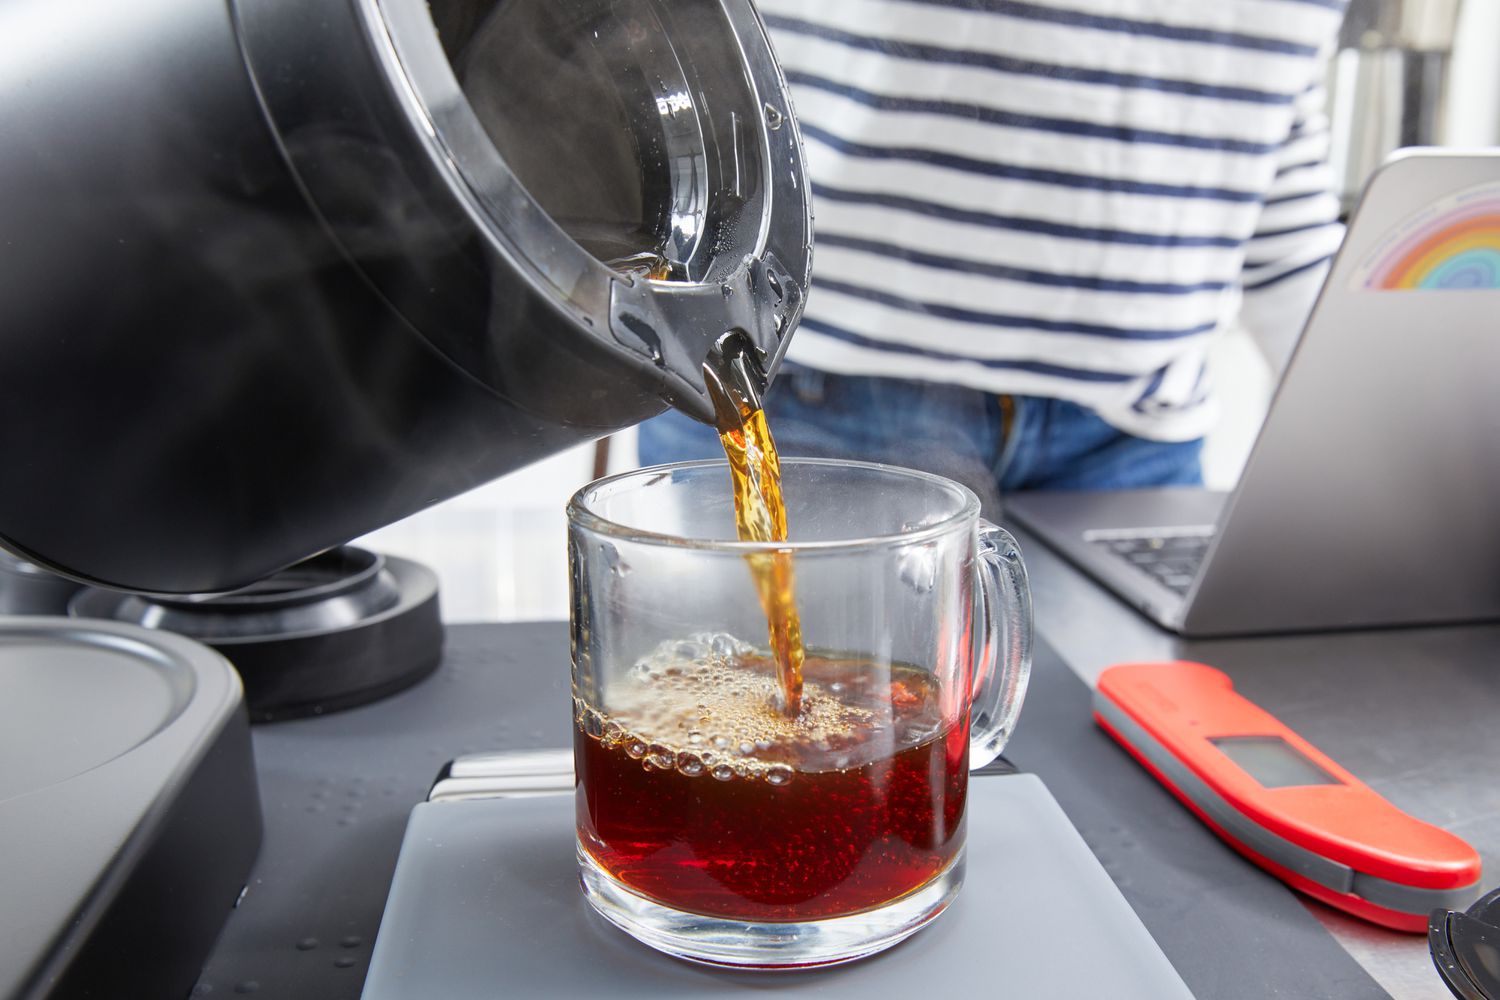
1273,761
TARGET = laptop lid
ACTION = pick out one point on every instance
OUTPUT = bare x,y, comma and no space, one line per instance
1372,495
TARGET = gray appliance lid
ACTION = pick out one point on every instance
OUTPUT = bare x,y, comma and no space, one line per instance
100,726
76,699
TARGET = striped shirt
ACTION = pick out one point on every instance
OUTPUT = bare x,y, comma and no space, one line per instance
1064,198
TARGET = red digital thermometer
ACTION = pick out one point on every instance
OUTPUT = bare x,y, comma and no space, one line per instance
1280,801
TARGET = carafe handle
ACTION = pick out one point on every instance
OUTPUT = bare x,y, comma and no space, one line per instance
1002,660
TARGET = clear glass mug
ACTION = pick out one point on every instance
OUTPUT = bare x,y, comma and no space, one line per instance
710,825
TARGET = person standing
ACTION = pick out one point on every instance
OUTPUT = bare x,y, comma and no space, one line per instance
1032,219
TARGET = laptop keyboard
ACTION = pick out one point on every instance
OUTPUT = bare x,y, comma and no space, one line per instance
1171,558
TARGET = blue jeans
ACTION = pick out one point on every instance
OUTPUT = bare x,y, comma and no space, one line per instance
994,445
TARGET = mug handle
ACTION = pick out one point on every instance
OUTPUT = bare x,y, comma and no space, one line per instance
1002,660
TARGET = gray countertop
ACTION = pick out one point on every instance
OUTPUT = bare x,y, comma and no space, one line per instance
337,790
1415,713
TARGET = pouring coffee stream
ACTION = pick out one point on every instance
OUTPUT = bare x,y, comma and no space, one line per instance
733,375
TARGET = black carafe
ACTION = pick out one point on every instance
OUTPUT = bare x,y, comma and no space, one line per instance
274,273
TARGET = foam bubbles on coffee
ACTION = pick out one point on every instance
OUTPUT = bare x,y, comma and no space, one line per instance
707,707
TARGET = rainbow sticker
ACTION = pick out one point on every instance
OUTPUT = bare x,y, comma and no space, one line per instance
1452,245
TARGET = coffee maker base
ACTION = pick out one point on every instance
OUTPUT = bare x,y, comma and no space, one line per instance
339,630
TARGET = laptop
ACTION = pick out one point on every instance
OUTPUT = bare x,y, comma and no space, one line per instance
1372,495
